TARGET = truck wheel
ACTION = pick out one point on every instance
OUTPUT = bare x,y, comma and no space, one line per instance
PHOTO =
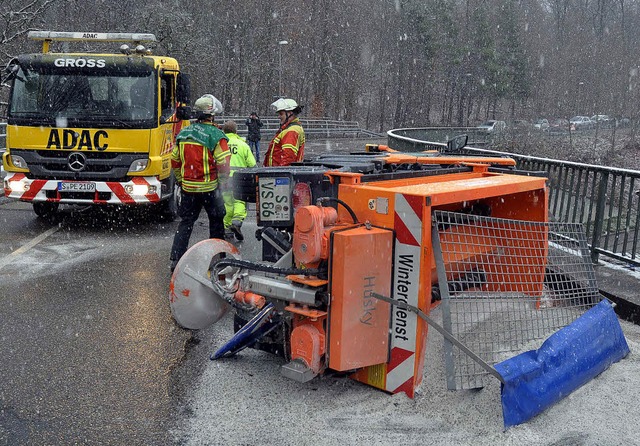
45,209
169,207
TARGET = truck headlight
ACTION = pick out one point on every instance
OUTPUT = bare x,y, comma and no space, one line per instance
140,189
137,189
18,161
18,186
139,165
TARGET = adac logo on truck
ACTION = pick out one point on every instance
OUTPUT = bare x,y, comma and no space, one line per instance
70,139
79,63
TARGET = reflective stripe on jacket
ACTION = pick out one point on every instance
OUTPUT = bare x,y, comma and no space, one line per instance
287,146
196,166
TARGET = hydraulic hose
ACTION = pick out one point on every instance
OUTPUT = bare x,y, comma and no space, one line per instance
339,201
221,263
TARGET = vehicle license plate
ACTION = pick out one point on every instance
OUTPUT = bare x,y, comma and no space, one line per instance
76,186
275,199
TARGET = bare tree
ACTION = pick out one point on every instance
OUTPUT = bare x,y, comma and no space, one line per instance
384,63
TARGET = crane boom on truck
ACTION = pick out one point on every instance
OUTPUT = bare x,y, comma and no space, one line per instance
94,128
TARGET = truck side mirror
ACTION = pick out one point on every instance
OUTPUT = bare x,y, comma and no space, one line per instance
11,71
183,90
183,112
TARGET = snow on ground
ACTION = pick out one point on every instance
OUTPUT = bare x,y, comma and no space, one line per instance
245,401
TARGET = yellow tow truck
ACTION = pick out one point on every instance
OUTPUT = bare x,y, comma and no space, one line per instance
94,128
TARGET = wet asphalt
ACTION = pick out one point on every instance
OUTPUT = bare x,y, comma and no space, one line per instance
87,342
89,352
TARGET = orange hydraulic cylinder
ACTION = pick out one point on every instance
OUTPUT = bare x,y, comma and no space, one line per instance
249,298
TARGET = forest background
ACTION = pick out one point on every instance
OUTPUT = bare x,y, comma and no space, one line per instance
384,63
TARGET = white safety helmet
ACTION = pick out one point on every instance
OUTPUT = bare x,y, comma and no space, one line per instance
285,104
208,104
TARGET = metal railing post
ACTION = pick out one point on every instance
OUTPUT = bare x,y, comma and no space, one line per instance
599,218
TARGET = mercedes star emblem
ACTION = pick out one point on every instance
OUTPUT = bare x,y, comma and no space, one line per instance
77,161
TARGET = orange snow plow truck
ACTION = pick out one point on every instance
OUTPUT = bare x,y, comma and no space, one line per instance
358,249
370,234
94,128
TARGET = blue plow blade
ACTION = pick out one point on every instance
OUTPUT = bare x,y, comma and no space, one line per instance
568,359
261,324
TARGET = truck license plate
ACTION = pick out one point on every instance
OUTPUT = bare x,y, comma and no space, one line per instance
76,186
275,199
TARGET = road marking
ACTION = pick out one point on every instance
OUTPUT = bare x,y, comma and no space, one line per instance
27,246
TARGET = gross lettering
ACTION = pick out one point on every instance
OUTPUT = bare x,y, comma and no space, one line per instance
80,63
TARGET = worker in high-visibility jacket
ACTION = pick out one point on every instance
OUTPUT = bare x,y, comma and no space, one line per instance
200,163
241,157
288,144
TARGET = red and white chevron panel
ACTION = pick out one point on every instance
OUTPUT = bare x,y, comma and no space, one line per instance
36,190
406,281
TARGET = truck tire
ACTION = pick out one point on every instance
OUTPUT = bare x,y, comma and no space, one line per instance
168,208
244,186
45,209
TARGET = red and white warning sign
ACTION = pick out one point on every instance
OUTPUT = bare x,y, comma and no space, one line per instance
406,281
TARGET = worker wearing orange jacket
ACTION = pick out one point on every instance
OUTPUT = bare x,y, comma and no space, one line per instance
288,145
200,161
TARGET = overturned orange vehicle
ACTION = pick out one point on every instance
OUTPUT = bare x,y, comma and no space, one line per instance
337,232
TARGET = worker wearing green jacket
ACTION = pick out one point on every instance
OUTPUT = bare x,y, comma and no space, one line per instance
241,157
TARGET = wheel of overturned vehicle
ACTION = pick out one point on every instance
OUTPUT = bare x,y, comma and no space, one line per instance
244,186
45,209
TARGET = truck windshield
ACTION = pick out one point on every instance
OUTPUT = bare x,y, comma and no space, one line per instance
74,99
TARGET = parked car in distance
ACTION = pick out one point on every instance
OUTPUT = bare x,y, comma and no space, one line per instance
623,122
581,123
492,126
541,124
520,124
603,121
559,125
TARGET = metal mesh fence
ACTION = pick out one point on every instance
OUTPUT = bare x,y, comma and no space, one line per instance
506,285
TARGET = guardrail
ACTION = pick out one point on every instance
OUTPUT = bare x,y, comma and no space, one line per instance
604,199
320,127
412,139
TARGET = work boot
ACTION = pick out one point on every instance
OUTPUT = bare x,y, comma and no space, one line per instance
235,228
228,234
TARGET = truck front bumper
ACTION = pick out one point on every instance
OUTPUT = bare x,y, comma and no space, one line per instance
138,190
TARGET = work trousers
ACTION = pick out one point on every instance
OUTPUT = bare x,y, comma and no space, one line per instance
189,209
236,209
